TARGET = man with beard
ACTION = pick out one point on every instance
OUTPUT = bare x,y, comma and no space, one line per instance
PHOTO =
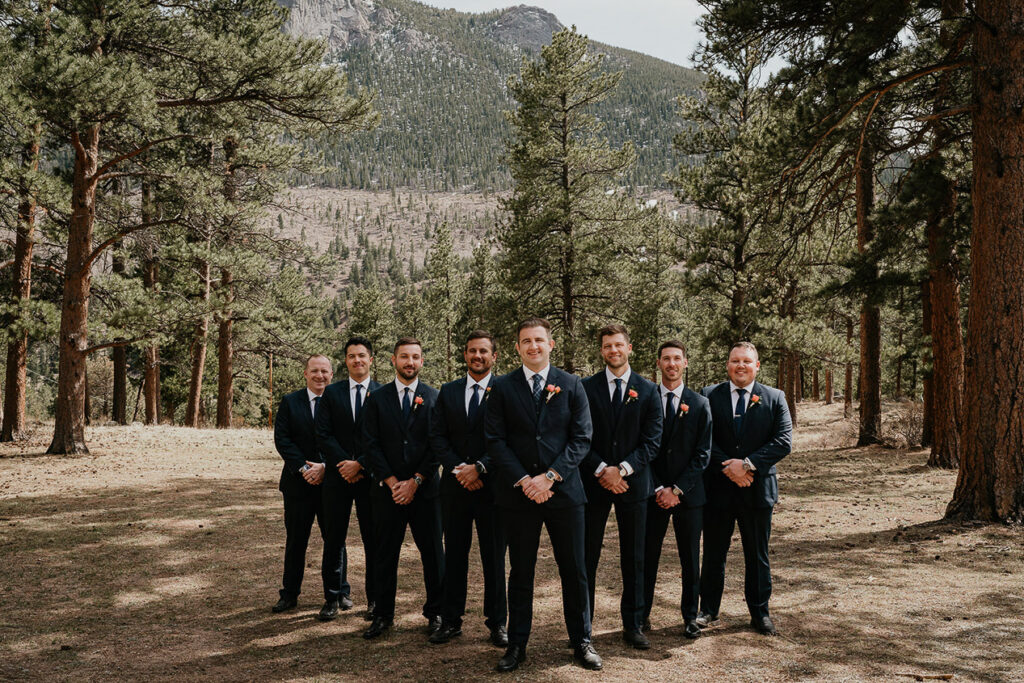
625,411
678,483
405,489
538,431
346,482
303,471
751,432
467,493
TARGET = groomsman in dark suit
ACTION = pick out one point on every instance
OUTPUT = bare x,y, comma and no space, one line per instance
678,482
404,491
346,481
467,493
626,414
303,472
538,431
752,431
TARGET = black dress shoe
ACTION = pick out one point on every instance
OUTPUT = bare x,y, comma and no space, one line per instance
433,625
705,620
637,639
499,637
445,633
368,616
764,626
329,611
690,629
344,603
514,656
587,657
378,628
283,605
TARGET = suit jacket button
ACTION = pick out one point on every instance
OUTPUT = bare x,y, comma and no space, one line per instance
405,442
615,443
538,437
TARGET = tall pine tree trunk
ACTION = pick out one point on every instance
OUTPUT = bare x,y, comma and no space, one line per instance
990,485
119,354
225,342
848,385
69,407
16,379
815,387
928,416
197,351
944,278
870,320
150,280
829,389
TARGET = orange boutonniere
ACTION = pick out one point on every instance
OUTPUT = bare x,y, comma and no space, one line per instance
417,402
683,409
754,400
552,392
487,392
631,395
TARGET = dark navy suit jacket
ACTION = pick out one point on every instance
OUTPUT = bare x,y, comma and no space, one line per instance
295,439
633,438
685,448
454,438
523,442
337,435
396,446
765,438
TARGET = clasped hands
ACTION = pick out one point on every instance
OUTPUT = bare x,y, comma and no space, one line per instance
611,479
538,489
350,470
402,492
468,477
733,469
315,474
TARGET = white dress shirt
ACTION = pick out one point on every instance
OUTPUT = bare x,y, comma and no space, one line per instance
470,383
678,393
311,397
352,384
543,383
412,390
735,396
610,376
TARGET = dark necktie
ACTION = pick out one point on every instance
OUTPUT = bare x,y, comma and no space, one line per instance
538,383
741,410
670,412
406,403
474,402
316,402
359,401
617,397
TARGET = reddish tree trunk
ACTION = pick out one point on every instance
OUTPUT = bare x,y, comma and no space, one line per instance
197,351
829,389
225,354
151,376
990,485
928,417
870,320
119,356
848,386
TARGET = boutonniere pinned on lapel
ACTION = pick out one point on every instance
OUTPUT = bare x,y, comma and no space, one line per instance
416,403
552,392
487,392
683,409
631,396
754,400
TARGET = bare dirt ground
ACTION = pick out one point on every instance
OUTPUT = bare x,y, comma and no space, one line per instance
158,557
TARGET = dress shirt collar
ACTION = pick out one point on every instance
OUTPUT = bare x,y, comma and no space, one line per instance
678,391
543,374
483,383
365,384
610,376
310,395
733,387
401,387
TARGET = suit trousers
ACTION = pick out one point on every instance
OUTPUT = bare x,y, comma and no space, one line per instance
755,530
459,510
300,509
566,528
687,523
339,498
632,522
423,517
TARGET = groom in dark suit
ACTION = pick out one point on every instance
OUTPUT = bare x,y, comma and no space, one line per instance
404,491
467,493
339,426
626,413
752,432
538,431
678,483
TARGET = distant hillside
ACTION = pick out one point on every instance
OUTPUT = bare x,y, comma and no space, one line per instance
441,77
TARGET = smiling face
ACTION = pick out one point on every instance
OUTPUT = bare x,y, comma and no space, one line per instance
615,350
672,363
743,365
318,374
534,347
358,361
408,361
479,356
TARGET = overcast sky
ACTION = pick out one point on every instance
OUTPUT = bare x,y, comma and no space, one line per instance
661,28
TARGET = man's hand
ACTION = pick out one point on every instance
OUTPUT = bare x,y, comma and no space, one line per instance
538,489
468,476
315,474
403,492
350,471
733,469
612,480
666,499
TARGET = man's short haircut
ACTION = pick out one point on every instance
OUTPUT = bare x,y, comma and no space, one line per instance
317,355
745,345
407,341
672,344
611,331
359,341
533,322
480,334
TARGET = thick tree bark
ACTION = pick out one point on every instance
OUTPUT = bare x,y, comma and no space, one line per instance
197,351
944,278
848,386
69,408
119,356
928,416
815,387
150,280
829,389
225,354
870,430
990,485
16,379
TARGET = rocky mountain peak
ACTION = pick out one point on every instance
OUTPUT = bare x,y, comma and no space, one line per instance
525,26
343,23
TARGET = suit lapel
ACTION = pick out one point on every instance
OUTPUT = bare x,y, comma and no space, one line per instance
391,403
604,400
755,390
346,401
522,389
